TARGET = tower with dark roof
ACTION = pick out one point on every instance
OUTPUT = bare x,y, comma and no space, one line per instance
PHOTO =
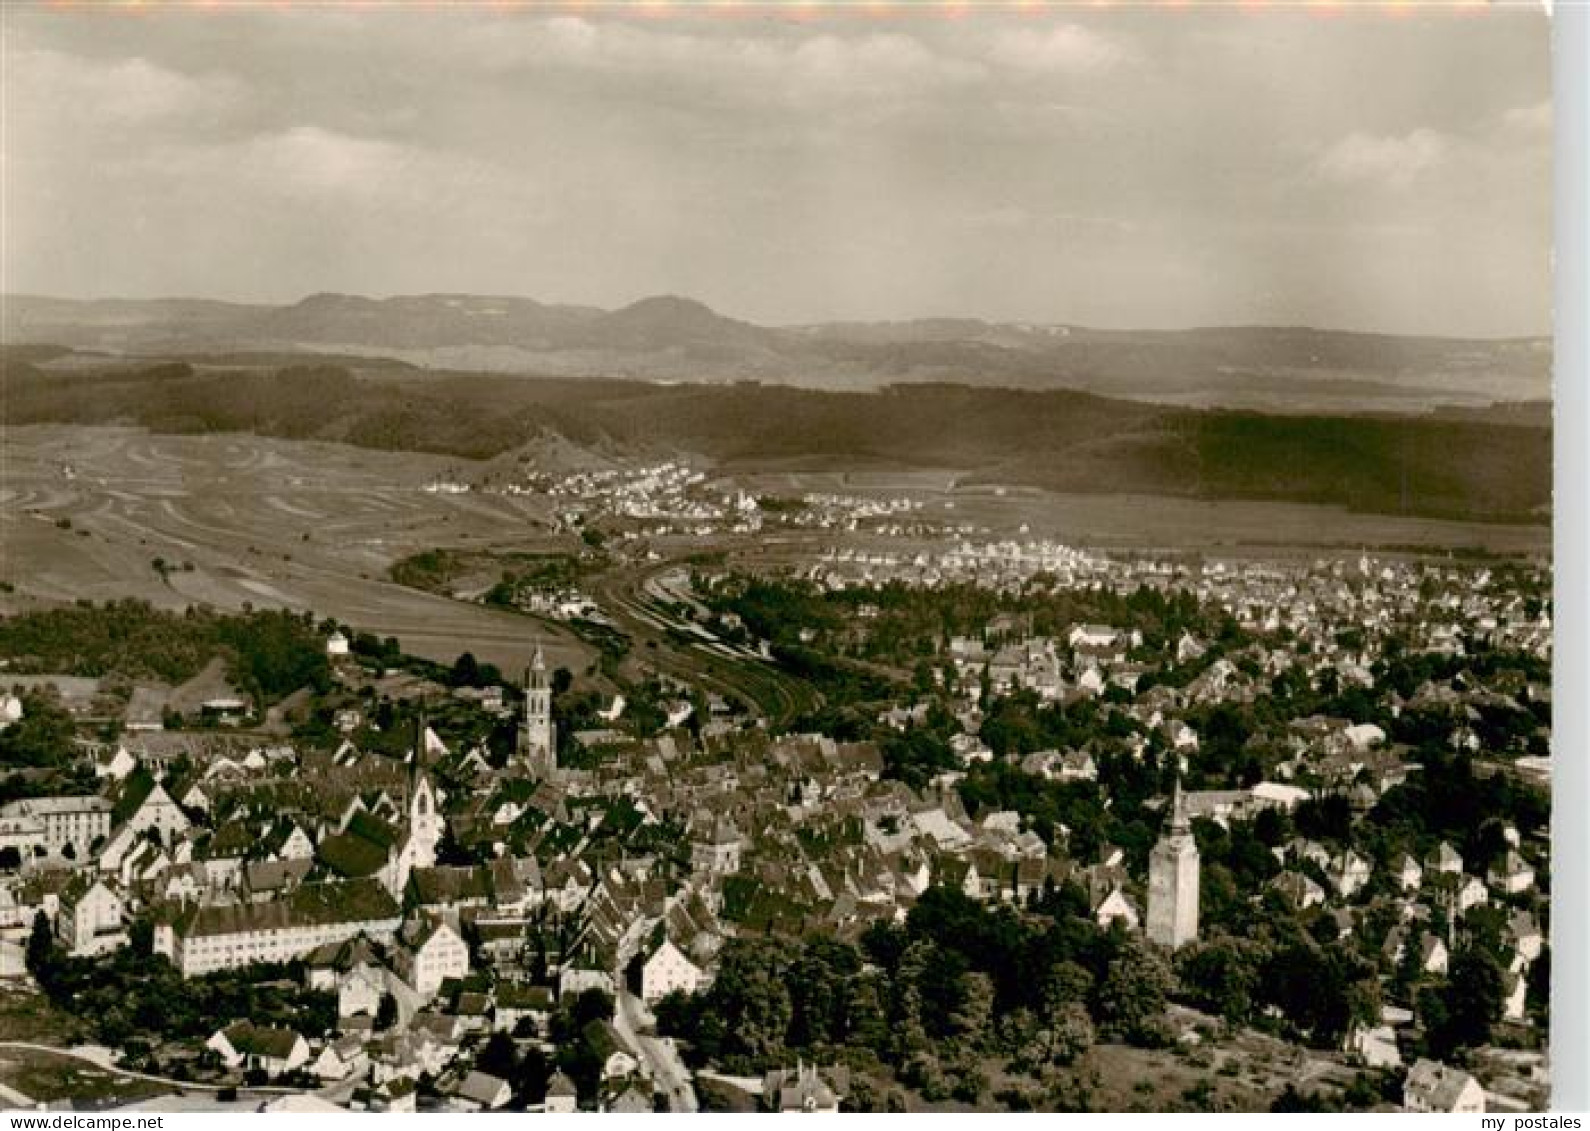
537,738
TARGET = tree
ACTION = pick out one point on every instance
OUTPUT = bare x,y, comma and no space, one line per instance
1474,994
386,1013
972,1016
1069,1035
141,937
591,1005
1136,983
499,1057
41,947
1221,974
42,737
466,671
751,995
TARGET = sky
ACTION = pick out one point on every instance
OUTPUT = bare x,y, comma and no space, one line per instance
1368,168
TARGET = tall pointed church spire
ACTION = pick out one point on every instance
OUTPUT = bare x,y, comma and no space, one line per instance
537,738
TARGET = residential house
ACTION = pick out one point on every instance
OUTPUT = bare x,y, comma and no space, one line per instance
341,1059
89,919
252,1047
1445,859
667,970
1512,874
562,1097
1435,1087
429,953
1407,873
805,1089
481,1091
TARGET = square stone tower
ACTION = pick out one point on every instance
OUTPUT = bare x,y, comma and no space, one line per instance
1173,881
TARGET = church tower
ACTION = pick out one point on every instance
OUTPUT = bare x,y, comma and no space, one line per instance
417,847
537,741
1173,881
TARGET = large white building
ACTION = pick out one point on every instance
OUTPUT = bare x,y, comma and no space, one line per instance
55,822
1173,881
222,938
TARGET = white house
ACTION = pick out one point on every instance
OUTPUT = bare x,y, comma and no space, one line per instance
248,1046
1115,906
668,970
1512,874
1435,1087
481,1091
432,953
341,1059
1349,872
1444,858
1472,893
562,1097
89,920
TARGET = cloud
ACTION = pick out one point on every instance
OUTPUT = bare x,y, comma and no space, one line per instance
1389,161
131,91
1067,49
313,165
777,66
1529,121
1078,166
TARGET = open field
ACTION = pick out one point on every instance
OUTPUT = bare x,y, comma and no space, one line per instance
27,1015
1127,521
47,1078
84,512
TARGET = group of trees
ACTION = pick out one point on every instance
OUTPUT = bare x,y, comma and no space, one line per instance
937,1001
42,737
909,622
269,653
963,986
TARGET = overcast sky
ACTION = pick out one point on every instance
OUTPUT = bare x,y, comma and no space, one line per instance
1112,167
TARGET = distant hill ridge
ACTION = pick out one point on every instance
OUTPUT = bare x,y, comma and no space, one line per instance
674,338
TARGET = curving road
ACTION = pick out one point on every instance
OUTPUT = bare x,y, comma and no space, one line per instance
628,595
98,1057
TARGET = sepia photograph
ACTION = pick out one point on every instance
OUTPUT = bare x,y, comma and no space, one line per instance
764,557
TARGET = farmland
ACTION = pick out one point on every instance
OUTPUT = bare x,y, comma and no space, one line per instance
239,520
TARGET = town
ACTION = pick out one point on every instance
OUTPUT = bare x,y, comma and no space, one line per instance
1053,829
